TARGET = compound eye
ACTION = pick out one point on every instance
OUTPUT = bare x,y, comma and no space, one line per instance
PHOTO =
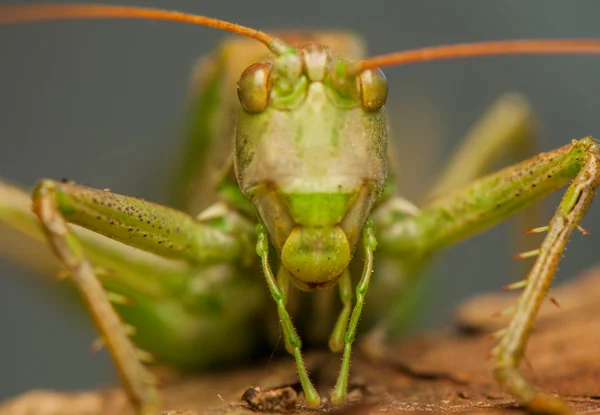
254,87
373,89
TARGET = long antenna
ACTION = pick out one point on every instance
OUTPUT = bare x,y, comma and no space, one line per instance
469,50
11,14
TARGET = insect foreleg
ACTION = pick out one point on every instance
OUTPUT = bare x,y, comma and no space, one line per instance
336,341
136,379
283,282
293,343
369,245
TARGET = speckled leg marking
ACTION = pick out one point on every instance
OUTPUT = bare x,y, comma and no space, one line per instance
153,228
571,210
487,201
137,381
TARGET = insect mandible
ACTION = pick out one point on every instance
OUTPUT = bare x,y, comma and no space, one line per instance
340,155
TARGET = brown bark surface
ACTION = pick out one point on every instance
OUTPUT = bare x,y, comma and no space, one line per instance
441,371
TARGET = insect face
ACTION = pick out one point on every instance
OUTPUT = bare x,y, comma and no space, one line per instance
313,173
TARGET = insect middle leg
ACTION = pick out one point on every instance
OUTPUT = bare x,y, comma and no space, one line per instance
487,201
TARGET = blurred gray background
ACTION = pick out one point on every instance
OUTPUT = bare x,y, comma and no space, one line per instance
102,103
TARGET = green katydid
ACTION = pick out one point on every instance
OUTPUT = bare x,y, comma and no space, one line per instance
328,199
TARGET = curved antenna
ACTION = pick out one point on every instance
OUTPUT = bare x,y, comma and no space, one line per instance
469,50
11,14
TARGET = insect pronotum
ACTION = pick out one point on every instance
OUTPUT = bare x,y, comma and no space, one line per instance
289,243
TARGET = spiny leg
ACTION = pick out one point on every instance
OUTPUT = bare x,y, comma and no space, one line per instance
509,352
486,202
134,376
369,244
336,341
139,224
293,343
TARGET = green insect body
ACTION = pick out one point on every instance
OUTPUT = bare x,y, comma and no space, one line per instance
296,164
